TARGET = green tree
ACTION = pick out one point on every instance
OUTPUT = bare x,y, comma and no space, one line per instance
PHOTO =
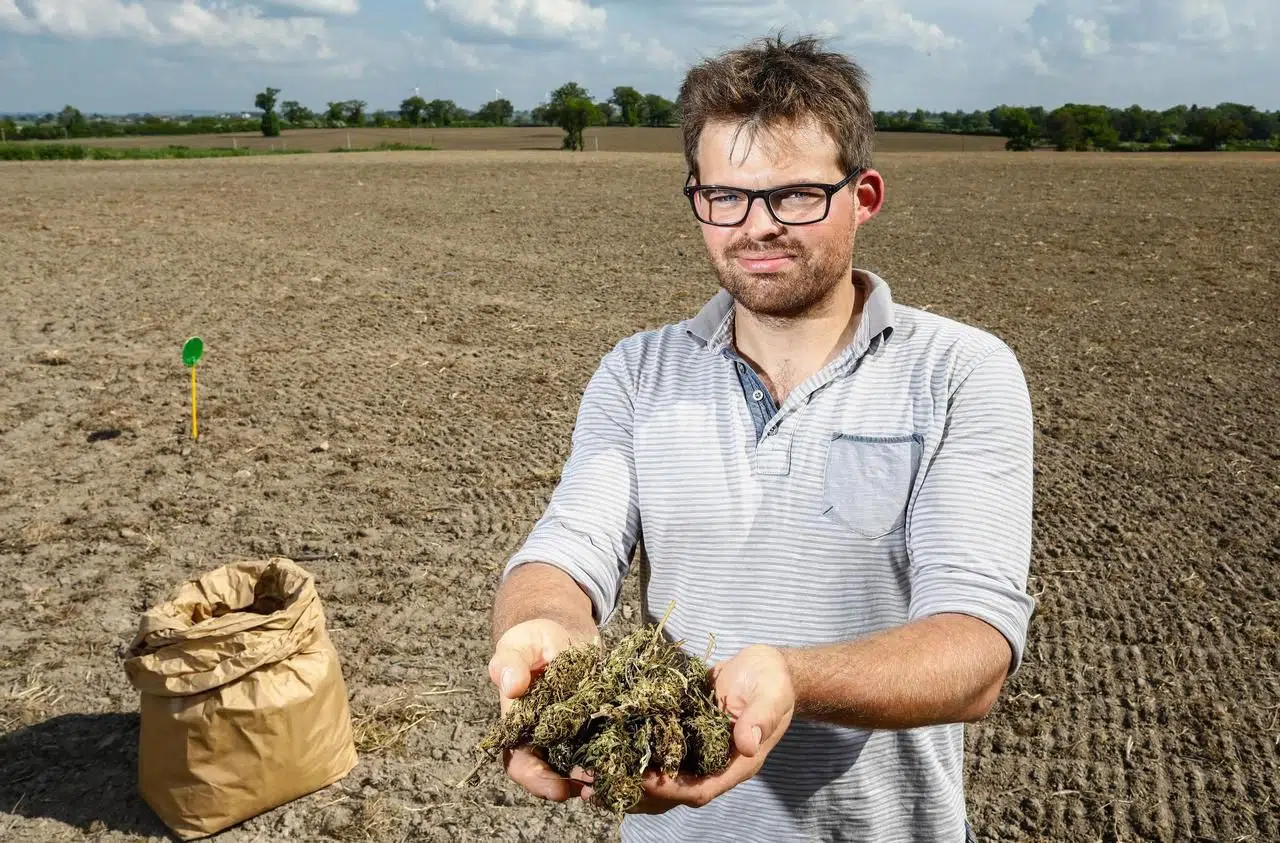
1064,131
1040,117
977,122
1017,125
658,111
382,119
607,112
412,109
1082,127
440,112
568,91
354,112
270,119
498,112
335,113
1173,121
574,115
1258,125
571,109
1132,124
73,123
1215,128
295,113
630,103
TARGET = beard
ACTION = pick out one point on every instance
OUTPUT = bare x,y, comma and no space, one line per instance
800,289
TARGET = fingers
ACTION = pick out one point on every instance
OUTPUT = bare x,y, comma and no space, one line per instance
535,776
520,652
757,724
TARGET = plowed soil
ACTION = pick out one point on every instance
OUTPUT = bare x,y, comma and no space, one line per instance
395,348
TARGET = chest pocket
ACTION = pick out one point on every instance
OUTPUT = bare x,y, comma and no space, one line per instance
867,481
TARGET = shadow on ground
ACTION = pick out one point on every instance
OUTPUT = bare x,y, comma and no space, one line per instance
80,769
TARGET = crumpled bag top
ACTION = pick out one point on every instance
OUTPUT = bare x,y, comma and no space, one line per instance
219,627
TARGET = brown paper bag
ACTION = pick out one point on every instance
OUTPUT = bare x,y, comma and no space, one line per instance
243,704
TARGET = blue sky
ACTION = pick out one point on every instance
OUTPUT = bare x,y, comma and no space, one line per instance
140,55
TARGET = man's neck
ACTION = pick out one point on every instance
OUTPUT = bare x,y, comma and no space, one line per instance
788,351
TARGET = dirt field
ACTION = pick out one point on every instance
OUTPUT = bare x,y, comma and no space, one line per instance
608,139
395,347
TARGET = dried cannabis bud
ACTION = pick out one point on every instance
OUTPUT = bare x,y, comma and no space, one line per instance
643,704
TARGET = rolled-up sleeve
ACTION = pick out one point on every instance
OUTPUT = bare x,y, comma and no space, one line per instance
592,522
969,530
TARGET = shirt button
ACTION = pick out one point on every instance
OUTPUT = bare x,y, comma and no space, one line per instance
758,395
741,368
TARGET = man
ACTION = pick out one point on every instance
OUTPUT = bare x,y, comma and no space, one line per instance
837,487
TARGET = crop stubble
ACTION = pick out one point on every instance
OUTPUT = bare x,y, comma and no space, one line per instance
396,344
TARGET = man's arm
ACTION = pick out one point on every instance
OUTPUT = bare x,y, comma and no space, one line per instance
941,669
540,591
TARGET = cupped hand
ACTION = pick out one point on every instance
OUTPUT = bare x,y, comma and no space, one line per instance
522,652
755,689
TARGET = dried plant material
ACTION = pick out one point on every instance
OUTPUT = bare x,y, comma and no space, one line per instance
643,704
384,728
269,596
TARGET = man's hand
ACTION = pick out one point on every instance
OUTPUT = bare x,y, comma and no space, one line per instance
754,687
523,651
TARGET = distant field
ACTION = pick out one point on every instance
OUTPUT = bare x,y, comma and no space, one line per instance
611,139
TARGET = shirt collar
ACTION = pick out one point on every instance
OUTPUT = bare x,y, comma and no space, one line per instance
713,326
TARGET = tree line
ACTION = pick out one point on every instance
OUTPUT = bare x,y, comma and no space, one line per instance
1072,126
570,106
1083,127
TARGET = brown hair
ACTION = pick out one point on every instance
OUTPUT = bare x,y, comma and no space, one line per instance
771,83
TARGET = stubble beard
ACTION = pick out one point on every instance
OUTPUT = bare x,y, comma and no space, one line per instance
802,289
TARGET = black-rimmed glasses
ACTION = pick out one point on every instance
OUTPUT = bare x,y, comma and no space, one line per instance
789,204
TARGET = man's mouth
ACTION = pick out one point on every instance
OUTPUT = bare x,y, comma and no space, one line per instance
765,261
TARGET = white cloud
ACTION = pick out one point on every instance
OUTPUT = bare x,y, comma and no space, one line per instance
891,24
244,27
90,18
237,29
521,18
12,18
443,52
1090,36
651,52
1036,62
1087,28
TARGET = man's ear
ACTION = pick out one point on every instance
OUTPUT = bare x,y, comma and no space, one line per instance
869,193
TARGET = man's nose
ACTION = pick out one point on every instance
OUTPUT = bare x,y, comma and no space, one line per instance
759,221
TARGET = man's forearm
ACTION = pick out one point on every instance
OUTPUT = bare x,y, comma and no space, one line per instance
943,669
537,590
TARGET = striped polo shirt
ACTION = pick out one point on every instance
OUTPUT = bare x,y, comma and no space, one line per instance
893,484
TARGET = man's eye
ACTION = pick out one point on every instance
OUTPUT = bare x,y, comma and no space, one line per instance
723,198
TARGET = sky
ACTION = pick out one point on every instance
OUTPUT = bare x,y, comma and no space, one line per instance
118,56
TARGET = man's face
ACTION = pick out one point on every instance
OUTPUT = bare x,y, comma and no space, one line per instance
773,269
